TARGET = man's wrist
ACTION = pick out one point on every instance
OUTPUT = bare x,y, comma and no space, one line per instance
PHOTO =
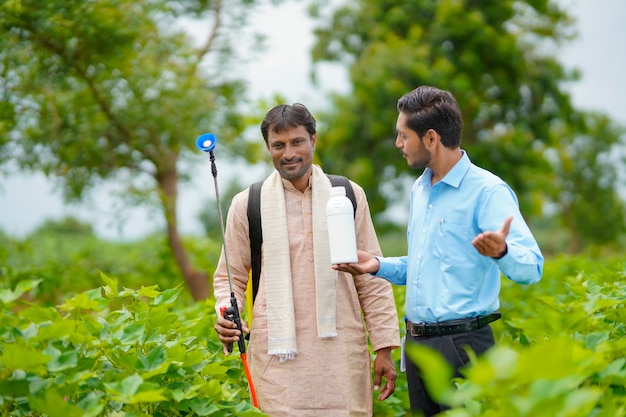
386,349
378,269
506,250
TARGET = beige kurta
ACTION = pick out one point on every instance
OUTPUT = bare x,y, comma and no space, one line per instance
329,377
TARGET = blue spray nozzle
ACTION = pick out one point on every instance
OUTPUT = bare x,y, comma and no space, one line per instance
206,142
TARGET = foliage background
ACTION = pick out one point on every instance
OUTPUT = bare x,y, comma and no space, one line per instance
269,69
78,312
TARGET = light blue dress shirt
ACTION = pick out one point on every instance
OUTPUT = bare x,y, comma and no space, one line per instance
446,278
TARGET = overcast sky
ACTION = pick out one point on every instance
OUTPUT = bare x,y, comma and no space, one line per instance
28,200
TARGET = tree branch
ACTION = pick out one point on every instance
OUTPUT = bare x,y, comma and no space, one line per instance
211,38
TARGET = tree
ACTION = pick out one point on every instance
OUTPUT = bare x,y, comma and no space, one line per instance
589,207
115,90
497,58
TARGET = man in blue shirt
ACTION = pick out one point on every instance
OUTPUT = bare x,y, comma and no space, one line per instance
464,229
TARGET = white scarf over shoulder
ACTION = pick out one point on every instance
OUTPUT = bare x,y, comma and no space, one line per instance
277,271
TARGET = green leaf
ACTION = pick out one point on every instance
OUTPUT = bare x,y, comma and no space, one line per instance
203,407
122,360
216,369
543,389
14,388
7,296
168,296
134,390
614,373
245,409
56,330
594,306
110,289
125,388
162,319
498,363
61,361
81,302
53,405
184,391
92,404
155,358
213,389
132,334
150,396
38,314
26,358
25,286
553,359
150,292
592,340
581,401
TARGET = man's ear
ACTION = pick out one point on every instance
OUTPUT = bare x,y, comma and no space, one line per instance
431,138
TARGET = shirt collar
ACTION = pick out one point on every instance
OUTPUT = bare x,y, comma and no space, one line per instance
454,177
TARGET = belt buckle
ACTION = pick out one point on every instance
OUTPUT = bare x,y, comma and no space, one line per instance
418,329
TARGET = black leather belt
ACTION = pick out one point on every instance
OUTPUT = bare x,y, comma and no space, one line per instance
450,327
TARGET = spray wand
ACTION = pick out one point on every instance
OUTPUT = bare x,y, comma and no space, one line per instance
206,143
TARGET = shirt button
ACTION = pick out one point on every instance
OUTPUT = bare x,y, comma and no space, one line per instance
423,230
430,206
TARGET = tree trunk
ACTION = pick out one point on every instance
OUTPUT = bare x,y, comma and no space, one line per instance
575,241
197,281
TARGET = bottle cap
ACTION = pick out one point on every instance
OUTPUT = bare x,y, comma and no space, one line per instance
339,190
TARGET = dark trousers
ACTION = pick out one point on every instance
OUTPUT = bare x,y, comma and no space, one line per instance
452,349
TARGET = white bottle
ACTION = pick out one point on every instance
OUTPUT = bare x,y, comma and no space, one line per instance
341,233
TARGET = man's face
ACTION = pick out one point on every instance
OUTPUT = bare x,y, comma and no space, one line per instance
292,152
411,145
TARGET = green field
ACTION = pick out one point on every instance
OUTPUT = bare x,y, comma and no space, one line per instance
93,328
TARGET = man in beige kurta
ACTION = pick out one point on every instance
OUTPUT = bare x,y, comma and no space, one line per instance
328,377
